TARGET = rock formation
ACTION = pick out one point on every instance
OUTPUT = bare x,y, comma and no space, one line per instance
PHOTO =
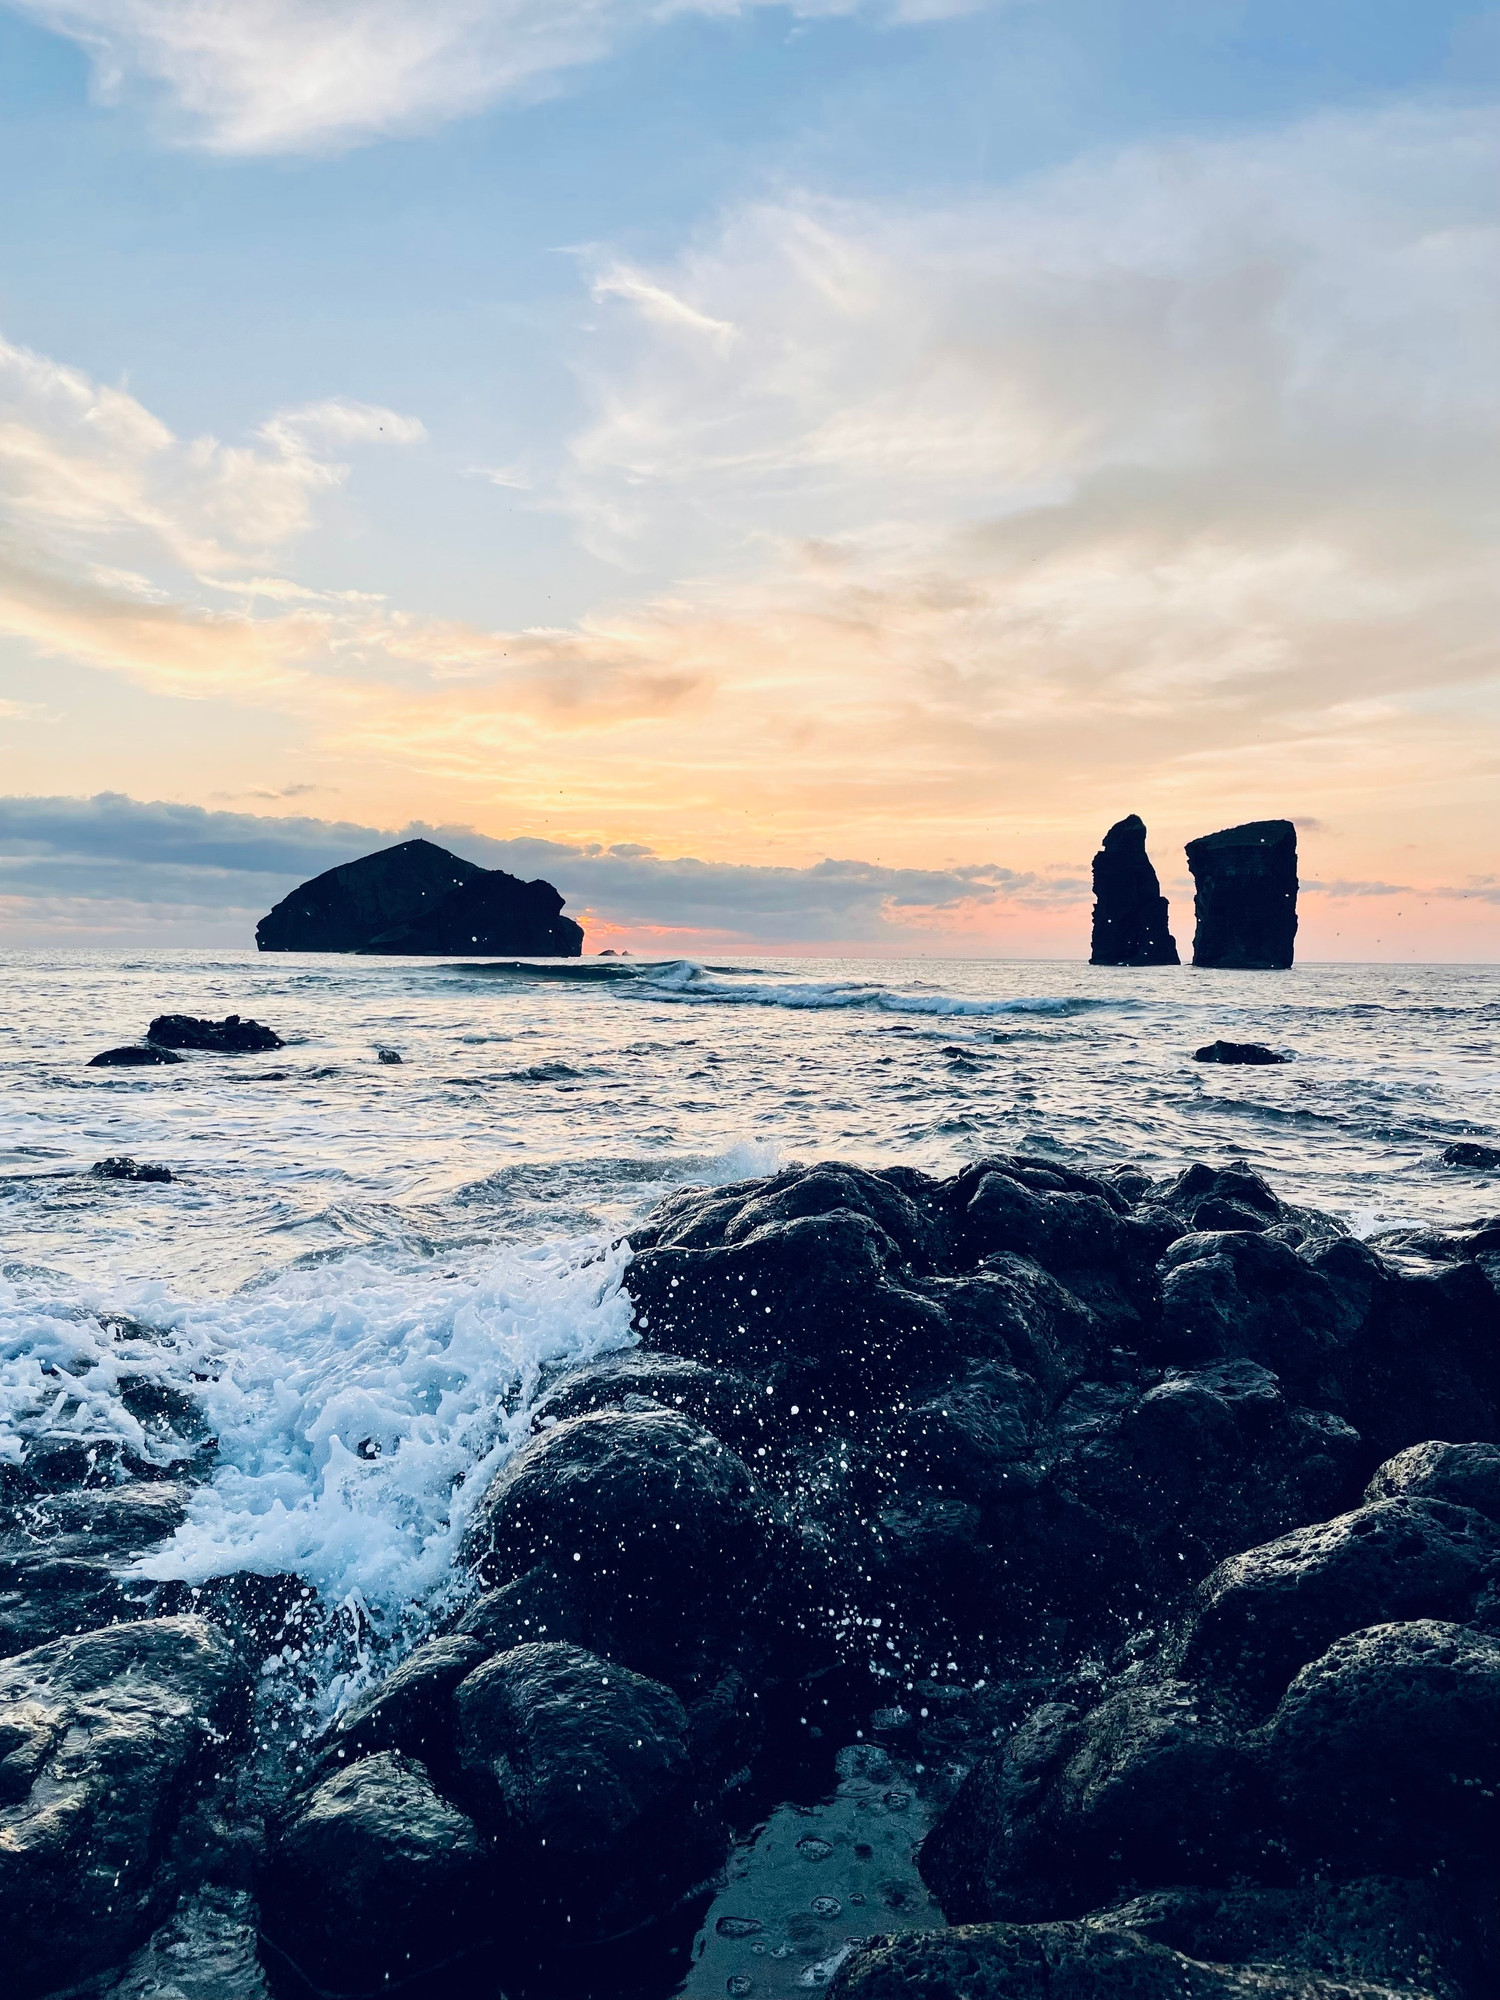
416,897
1246,900
492,913
1130,912
229,1037
1255,1054
1161,1516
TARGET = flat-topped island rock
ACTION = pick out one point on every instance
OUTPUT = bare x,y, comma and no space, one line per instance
1245,882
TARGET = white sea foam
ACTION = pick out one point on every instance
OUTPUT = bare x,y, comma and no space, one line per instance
359,1410
685,980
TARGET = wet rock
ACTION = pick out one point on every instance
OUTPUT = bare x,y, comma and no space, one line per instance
1130,912
489,913
102,1737
659,1519
1469,1153
134,1055
387,1055
1238,1293
1385,1752
728,1404
1245,882
1465,1475
208,1949
343,908
581,1769
1066,1961
1217,1198
1267,1612
1381,1928
1150,1787
1251,1054
411,1709
120,1167
231,1036
375,1879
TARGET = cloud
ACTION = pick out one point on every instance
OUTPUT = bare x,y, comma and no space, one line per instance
64,855
90,477
270,76
1161,482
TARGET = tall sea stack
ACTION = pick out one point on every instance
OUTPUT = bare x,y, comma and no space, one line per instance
1245,880
1130,912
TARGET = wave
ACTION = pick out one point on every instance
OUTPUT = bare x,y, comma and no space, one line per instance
684,981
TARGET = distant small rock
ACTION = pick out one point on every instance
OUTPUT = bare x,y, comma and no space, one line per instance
387,1056
1466,1153
231,1036
1238,1052
135,1055
120,1167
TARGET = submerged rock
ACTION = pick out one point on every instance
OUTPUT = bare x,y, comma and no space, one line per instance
1252,1054
133,1055
1130,912
120,1167
1245,880
231,1036
418,898
1468,1153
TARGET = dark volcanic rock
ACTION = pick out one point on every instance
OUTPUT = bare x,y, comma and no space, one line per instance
1130,912
120,1167
491,913
134,1055
1098,1960
1266,1613
1385,1752
1246,896
1468,1153
1465,1475
376,1879
582,1768
418,898
342,909
1252,1054
101,1738
658,1520
231,1036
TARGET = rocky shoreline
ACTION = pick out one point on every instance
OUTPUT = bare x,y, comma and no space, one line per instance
1157,1521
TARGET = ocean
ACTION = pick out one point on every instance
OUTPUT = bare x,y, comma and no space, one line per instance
365,1271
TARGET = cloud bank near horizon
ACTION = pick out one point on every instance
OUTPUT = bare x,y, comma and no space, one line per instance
110,863
116,868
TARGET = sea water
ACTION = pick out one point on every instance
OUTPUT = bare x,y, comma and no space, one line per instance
364,1270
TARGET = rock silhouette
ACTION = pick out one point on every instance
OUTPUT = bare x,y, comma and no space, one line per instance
343,908
229,1037
1130,912
1246,896
418,898
1255,1054
491,913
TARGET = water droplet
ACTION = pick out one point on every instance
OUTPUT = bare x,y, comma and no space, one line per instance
812,1848
897,1801
826,1907
739,1983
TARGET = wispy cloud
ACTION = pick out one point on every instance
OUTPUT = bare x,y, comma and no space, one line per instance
269,76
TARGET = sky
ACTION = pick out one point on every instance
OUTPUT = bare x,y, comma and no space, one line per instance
793,474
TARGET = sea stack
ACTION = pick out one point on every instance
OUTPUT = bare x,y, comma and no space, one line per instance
418,898
1130,912
1245,880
